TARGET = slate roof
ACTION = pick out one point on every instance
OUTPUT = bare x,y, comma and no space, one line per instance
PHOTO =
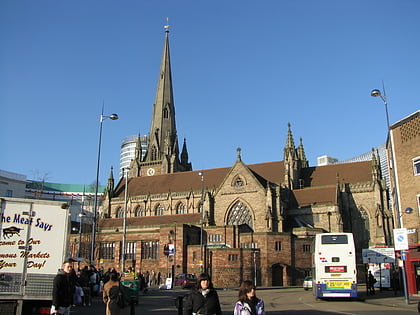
191,218
319,182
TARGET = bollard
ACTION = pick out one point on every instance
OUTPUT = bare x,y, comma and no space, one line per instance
178,303
132,306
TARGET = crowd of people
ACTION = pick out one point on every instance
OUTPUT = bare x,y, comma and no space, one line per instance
72,287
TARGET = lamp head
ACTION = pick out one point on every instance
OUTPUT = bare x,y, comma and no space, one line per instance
375,93
113,116
408,210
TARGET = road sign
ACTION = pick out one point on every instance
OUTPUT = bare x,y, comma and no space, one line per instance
400,239
378,255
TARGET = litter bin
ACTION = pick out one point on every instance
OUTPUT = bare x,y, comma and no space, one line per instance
131,291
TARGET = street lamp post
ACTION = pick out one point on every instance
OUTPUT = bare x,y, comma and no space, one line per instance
202,222
81,216
124,220
95,205
394,186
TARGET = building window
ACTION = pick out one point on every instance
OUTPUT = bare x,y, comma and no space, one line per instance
194,256
159,209
180,208
239,214
140,212
278,246
120,213
130,250
215,238
416,166
9,193
249,245
233,257
306,248
107,250
149,249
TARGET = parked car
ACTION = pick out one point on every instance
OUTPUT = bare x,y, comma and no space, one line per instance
185,280
307,283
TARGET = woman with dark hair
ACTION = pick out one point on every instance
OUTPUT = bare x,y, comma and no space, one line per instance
248,303
203,300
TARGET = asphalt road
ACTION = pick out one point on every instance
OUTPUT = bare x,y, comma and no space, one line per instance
278,301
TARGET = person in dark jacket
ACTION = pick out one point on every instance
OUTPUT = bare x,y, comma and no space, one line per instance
203,300
64,286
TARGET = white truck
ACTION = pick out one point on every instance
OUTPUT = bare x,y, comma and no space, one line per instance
33,244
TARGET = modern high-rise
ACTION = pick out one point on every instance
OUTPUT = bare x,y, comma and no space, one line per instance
128,150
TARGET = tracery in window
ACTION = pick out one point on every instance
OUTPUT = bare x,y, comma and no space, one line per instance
140,212
119,212
239,214
159,209
180,208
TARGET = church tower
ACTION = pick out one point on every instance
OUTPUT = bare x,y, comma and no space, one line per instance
162,154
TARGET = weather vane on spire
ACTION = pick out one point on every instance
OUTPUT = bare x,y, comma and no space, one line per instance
166,27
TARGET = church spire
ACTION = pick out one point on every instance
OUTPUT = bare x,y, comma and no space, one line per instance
163,129
162,153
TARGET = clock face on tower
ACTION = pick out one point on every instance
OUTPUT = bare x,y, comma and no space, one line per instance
150,171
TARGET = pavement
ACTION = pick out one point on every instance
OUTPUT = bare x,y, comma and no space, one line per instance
389,298
162,302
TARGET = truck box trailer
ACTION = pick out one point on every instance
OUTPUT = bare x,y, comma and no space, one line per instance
34,238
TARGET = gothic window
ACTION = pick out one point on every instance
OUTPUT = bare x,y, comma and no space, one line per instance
165,113
239,214
140,212
180,208
120,212
159,209
154,153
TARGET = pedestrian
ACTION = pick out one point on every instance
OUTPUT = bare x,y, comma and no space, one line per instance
203,300
64,286
111,293
248,303
371,283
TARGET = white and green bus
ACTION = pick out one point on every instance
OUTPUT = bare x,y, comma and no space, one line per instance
334,266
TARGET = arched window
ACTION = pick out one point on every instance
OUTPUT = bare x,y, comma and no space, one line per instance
140,212
239,214
120,212
165,113
154,153
159,209
180,208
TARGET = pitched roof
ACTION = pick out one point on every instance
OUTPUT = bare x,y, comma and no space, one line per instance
272,171
191,218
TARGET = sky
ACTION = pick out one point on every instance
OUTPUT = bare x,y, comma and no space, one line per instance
242,70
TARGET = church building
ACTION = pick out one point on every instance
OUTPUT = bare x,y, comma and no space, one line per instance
244,221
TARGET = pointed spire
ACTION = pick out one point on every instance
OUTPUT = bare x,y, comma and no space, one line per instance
301,154
184,153
289,149
163,133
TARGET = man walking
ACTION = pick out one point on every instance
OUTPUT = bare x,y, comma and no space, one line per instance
64,287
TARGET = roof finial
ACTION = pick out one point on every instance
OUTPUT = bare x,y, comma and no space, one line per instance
166,27
238,157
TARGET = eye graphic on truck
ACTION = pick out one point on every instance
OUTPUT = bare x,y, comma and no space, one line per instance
10,231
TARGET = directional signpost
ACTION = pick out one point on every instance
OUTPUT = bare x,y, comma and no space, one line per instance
378,255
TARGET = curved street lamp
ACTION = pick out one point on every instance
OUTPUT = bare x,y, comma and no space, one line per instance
95,205
394,191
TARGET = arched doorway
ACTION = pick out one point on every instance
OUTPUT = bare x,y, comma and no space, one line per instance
277,275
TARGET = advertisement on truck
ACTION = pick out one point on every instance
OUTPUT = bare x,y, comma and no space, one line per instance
33,245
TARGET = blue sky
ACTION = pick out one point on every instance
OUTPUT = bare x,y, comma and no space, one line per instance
242,70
